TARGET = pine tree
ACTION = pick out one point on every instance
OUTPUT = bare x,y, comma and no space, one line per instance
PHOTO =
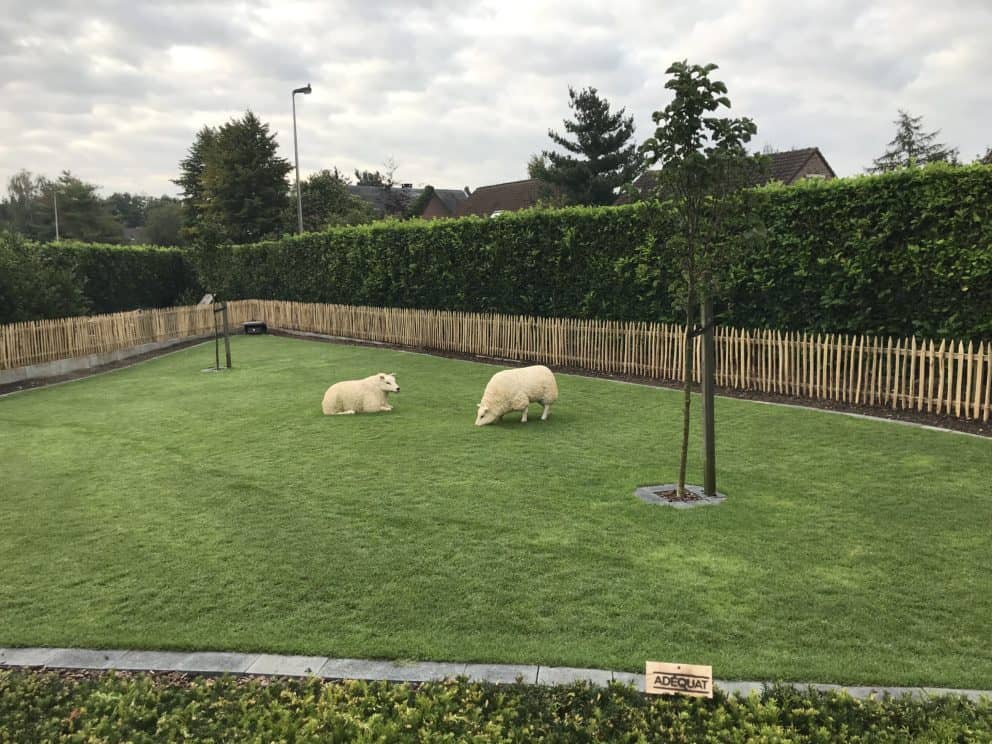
912,147
603,140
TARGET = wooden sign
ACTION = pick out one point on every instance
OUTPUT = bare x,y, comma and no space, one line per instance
678,679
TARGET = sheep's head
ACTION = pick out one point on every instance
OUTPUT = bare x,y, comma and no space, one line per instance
485,415
388,382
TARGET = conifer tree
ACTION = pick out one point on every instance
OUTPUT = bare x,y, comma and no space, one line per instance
607,160
912,147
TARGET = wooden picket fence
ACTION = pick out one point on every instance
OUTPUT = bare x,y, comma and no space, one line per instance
944,377
39,341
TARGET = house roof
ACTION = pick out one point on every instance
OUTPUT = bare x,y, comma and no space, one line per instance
783,166
502,197
387,200
451,198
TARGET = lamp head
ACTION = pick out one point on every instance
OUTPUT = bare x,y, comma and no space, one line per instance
305,89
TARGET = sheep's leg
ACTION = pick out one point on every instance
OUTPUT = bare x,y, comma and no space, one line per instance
344,413
385,407
547,412
523,419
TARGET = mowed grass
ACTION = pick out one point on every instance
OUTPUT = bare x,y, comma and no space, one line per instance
162,507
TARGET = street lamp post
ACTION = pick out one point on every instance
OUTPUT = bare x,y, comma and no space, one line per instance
296,151
55,204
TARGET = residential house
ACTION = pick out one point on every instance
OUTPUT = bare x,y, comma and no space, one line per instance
387,201
487,201
444,203
788,167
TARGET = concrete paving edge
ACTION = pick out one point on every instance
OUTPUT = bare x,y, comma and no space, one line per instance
205,662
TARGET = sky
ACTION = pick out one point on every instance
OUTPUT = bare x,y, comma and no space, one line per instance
462,94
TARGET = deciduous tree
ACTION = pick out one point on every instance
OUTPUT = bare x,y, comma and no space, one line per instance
328,203
704,173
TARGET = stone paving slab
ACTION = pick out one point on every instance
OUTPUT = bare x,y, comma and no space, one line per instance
568,675
154,661
628,678
391,670
287,666
501,673
26,656
207,661
739,688
82,658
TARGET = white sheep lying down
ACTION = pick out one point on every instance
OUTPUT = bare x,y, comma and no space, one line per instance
360,396
514,390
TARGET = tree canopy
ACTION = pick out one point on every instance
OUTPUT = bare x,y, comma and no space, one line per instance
328,203
602,140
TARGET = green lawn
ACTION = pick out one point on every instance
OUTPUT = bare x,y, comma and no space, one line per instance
161,507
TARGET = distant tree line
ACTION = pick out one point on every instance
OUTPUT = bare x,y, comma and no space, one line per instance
31,202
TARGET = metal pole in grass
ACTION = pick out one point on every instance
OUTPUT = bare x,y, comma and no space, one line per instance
296,152
708,378
216,342
227,335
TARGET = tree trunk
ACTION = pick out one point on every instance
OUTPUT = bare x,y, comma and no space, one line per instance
709,384
687,369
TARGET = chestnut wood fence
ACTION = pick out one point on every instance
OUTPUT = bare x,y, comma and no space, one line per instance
937,376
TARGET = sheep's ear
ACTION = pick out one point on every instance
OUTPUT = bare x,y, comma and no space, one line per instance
382,376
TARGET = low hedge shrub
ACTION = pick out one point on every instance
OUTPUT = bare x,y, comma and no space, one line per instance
46,706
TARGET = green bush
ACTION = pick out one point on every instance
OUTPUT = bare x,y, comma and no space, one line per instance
55,280
127,277
904,253
34,285
43,706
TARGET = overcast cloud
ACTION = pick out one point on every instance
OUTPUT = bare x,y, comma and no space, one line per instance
461,94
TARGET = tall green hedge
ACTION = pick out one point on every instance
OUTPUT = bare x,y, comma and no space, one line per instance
70,278
904,253
118,277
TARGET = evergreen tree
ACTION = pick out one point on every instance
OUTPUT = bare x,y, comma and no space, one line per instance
912,147
987,158
244,182
608,159
234,183
128,208
190,182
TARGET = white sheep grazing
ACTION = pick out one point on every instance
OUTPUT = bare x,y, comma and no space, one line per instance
360,396
514,390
